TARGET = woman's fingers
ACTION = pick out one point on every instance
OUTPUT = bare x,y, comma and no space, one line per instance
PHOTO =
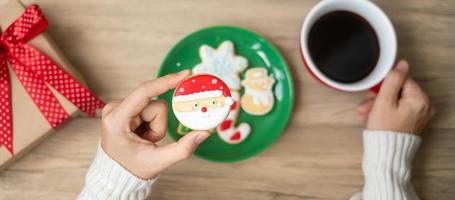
111,125
188,143
415,97
110,106
135,123
393,82
412,89
141,96
182,149
152,136
364,108
371,94
155,115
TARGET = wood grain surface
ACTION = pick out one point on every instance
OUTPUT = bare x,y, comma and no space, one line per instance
118,44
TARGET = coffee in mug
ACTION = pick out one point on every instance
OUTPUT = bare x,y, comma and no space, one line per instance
349,45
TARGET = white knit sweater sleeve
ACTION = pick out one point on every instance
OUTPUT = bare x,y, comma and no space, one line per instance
107,179
386,165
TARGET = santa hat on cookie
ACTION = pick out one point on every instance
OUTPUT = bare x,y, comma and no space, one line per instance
200,87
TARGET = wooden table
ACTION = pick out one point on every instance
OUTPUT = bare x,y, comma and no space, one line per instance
118,44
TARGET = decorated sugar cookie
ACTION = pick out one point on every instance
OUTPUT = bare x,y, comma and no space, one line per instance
223,63
258,98
227,130
201,102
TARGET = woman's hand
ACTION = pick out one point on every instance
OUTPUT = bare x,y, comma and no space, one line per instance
131,128
400,105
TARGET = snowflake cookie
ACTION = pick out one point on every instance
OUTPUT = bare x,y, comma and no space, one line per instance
223,63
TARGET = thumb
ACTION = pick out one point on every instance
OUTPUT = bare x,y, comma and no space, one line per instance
188,143
393,82
183,148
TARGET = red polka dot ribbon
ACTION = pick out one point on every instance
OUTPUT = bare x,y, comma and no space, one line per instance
37,73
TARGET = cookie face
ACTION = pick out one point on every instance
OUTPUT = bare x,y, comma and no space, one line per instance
201,102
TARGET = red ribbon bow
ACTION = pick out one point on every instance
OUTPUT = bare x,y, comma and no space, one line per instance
34,70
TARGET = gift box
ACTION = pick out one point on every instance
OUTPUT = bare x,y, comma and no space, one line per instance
39,87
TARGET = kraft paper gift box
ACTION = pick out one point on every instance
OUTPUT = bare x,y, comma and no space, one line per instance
29,125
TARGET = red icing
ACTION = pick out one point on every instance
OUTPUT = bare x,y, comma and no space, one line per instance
204,109
201,83
234,105
236,136
226,125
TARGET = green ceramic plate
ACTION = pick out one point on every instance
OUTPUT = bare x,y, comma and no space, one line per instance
258,52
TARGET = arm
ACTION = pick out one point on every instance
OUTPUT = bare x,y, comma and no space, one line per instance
129,159
395,118
386,165
107,179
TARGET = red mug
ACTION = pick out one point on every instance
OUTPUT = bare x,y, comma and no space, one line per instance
381,25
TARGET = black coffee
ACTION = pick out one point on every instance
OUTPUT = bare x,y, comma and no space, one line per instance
343,46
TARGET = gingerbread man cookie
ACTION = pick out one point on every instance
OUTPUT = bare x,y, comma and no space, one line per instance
201,102
258,98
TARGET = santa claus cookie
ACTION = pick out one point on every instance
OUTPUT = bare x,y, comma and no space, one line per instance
201,102
258,97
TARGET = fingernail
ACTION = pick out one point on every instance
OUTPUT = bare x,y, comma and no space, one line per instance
403,65
201,137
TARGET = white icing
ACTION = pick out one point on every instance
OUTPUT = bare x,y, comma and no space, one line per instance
228,101
198,120
244,129
257,74
198,95
260,97
223,63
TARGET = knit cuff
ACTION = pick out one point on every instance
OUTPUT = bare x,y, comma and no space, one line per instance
387,164
389,150
107,179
